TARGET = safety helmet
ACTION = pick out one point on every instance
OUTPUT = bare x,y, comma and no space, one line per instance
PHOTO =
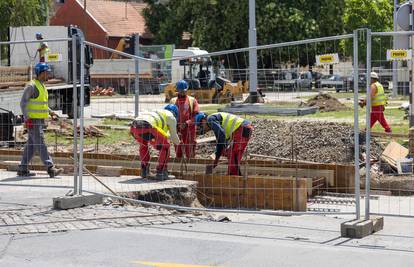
173,109
199,117
41,67
374,75
181,86
39,35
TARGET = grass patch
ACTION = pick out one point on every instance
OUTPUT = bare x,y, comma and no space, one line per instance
116,122
111,137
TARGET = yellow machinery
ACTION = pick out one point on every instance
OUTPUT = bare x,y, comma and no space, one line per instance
202,87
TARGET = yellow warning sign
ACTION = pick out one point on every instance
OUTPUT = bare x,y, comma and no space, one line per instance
327,59
399,54
54,57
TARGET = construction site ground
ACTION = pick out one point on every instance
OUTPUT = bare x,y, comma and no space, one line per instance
112,235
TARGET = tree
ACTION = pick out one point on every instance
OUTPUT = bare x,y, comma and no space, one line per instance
223,24
376,15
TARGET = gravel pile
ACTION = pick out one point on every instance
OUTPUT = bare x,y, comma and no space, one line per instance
322,142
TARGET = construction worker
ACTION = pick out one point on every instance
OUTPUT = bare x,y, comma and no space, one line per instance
43,49
187,109
232,135
378,101
155,128
35,109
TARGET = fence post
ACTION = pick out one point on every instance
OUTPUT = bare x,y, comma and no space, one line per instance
356,127
82,106
136,52
368,129
75,116
252,52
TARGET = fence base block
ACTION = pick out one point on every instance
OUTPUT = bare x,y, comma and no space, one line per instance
361,228
71,202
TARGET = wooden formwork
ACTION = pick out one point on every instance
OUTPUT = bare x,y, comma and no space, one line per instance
237,192
339,177
266,184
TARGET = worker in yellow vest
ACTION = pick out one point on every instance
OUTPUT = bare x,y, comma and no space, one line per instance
232,136
378,101
155,128
35,109
43,49
187,110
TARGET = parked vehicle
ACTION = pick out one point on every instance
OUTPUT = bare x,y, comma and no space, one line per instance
290,80
335,81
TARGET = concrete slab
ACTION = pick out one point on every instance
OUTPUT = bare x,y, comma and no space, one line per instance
262,109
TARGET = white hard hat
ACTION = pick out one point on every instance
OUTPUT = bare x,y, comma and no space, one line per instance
374,75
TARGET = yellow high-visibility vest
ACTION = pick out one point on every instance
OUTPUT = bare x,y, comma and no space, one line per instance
38,108
190,101
379,99
157,119
230,123
43,51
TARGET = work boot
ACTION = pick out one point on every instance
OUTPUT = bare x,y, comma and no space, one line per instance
145,172
163,175
25,173
53,171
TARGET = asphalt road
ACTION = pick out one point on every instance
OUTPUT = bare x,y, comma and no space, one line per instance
248,243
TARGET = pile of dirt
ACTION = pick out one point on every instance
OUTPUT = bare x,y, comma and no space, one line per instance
326,103
322,142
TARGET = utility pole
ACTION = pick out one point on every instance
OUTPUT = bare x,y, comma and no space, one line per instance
411,91
395,63
252,53
84,16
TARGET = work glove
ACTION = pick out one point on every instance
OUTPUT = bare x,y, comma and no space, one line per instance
54,116
362,103
28,123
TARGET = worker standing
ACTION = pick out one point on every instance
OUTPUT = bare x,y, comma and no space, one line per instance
43,49
232,136
155,128
187,110
378,101
35,109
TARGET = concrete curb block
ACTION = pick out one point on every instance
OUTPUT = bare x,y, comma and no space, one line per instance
71,202
361,228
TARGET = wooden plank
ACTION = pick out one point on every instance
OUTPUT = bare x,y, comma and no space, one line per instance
394,152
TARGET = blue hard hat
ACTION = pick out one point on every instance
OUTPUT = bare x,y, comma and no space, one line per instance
39,35
181,85
199,117
173,109
40,67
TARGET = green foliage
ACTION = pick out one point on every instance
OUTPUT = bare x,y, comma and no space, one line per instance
376,15
223,24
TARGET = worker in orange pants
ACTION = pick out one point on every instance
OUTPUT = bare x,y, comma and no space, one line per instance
232,134
187,110
155,128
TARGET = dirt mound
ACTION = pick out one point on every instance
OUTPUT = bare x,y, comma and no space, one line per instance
326,103
312,141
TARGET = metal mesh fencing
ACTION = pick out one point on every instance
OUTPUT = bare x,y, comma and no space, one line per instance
32,139
285,166
391,172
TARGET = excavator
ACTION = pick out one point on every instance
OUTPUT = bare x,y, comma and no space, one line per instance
206,88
